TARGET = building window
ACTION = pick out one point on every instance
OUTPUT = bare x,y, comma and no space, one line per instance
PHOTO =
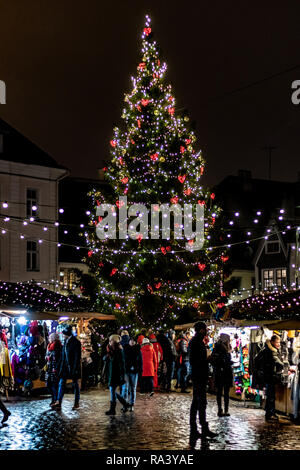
32,256
268,278
67,279
31,202
281,277
272,247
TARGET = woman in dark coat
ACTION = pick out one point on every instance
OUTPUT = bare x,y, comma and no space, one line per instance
70,367
53,357
116,373
221,361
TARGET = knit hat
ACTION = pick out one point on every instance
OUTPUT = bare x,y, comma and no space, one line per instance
224,338
152,336
145,341
115,338
67,331
199,325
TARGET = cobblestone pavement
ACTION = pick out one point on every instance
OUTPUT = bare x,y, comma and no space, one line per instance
158,423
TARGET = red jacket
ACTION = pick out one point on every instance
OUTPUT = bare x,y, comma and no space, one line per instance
149,360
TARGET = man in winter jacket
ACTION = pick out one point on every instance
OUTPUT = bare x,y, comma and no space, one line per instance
272,368
70,366
199,375
166,341
183,363
133,368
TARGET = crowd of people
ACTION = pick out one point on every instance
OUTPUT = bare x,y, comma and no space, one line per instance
150,362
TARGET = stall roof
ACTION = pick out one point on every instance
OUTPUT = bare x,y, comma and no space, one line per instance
54,315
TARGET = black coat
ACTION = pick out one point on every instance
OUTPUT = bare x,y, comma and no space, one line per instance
133,359
168,347
272,364
221,361
70,366
116,366
198,360
183,349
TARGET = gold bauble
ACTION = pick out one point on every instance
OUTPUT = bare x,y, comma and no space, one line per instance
156,112
186,118
162,159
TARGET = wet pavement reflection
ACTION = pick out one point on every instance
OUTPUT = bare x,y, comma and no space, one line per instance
157,423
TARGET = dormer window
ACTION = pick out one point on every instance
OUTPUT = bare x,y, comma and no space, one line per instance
272,247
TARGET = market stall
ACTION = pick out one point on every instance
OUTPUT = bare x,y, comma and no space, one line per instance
24,339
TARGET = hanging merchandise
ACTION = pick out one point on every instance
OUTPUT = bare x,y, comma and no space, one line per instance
6,376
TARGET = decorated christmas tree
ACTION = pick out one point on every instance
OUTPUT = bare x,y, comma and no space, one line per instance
152,278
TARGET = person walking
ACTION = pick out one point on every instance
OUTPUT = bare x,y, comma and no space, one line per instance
159,356
53,357
272,369
5,411
183,363
116,373
149,367
199,375
169,358
133,368
124,342
70,367
223,375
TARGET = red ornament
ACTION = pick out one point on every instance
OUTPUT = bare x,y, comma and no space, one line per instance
174,200
187,191
132,141
201,266
168,248
213,220
158,62
98,203
142,65
150,288
191,242
105,168
113,271
154,156
170,98
201,170
118,306
125,191
101,264
188,141
147,31
139,238
224,258
100,219
212,196
171,111
181,178
121,161
125,180
90,253
195,304
201,203
164,251
113,143
144,102
182,149
139,123
156,75
158,285
139,108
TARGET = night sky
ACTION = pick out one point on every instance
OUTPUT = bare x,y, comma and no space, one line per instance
67,65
